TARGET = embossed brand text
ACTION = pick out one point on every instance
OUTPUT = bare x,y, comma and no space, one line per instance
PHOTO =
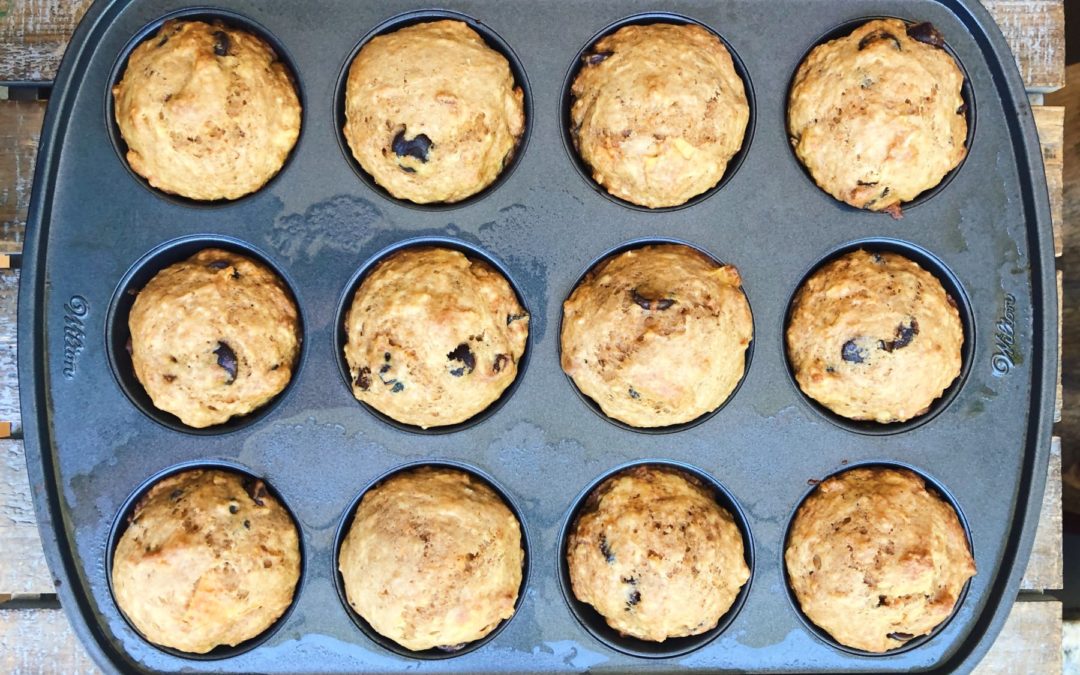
74,332
1005,338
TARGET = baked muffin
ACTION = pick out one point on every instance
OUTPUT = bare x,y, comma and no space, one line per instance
876,559
877,117
207,111
657,335
658,112
433,337
655,554
432,113
209,558
433,558
873,336
213,337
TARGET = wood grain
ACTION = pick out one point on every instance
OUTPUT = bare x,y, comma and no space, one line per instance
40,641
20,128
1050,122
1044,570
22,563
34,35
1029,643
9,376
1035,31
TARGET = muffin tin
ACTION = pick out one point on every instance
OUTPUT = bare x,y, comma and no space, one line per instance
97,231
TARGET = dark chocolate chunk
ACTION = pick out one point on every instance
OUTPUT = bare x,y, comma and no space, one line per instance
500,362
176,494
234,509
384,369
169,378
925,32
878,259
962,109
218,264
629,580
904,637
633,599
597,57
649,304
416,148
222,44
163,40
866,184
851,353
609,555
256,489
398,387
363,378
878,36
904,335
226,358
633,393
406,169
462,354
247,524
511,318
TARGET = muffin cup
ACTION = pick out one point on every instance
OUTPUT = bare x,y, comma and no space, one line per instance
435,653
494,41
120,525
953,288
208,15
118,335
566,102
934,488
595,624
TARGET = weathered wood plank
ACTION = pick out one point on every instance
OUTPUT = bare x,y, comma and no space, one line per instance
1035,30
1030,642
40,641
1044,570
20,128
9,376
1050,121
34,35
22,563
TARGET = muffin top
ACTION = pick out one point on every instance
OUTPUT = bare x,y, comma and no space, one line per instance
873,336
433,337
877,117
433,558
214,336
658,112
432,113
655,554
657,335
876,559
209,558
207,111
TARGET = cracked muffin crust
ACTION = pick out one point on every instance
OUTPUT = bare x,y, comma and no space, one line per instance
433,337
657,335
209,558
874,336
432,113
658,112
433,558
877,117
876,559
656,555
207,111
213,337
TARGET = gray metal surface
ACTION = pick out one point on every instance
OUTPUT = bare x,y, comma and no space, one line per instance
89,447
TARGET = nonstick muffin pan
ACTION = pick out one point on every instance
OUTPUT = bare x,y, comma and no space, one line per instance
97,232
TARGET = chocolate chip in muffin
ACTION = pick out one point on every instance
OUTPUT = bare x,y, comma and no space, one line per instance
904,335
226,358
363,378
926,33
605,548
463,354
597,58
852,353
222,44
877,36
500,362
649,304
256,489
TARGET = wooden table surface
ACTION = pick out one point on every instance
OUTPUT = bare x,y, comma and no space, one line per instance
34,633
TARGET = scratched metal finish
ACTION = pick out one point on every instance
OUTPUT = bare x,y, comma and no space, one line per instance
89,447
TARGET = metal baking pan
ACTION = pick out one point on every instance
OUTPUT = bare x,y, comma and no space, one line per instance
97,231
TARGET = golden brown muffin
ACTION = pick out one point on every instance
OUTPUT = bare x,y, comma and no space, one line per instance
213,337
876,559
656,555
432,113
433,337
658,113
877,116
873,336
657,335
433,558
207,111
209,558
